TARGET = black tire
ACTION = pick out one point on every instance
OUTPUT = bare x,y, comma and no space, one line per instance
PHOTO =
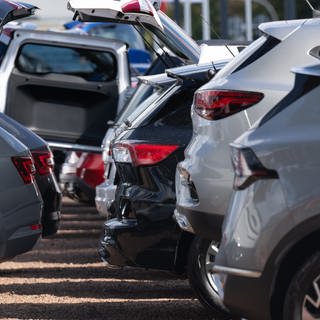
199,281
301,286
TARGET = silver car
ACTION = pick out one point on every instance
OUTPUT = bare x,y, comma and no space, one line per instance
253,82
20,199
270,243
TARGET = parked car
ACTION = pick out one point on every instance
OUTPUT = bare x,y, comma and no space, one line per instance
146,155
246,89
270,235
20,199
44,176
150,88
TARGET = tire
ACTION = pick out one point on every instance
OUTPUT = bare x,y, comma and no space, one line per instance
302,291
201,281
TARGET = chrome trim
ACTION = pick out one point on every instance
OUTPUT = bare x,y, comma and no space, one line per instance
74,147
237,272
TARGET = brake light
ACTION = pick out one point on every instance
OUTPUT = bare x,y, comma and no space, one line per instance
25,167
44,162
219,104
140,6
141,154
248,168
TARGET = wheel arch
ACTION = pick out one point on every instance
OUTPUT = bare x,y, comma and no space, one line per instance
290,254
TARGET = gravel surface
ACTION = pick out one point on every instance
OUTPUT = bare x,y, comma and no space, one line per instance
63,278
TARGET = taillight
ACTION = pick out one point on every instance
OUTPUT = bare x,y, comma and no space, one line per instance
25,167
248,168
43,161
219,104
141,154
140,6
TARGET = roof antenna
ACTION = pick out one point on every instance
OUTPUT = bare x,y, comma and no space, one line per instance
216,34
315,11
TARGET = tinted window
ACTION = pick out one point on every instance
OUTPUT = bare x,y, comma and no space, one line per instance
88,64
176,110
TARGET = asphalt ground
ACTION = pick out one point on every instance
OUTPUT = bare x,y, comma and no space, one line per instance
63,278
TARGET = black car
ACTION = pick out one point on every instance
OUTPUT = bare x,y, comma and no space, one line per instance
45,177
144,233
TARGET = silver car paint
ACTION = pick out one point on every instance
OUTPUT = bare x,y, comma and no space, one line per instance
207,156
289,144
20,203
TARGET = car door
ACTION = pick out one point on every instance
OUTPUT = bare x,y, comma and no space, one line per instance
65,87
141,13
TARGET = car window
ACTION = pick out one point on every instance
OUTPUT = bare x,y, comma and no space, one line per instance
142,92
177,110
123,32
88,64
156,93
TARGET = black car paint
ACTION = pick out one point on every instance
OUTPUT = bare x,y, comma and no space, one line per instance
144,232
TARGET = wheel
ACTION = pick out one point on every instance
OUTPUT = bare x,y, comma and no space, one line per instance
205,283
302,300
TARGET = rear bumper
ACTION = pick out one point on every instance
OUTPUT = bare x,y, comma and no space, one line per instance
23,240
23,230
52,200
128,243
247,296
66,183
203,224
105,196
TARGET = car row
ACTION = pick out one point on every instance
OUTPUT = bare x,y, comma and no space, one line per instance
226,194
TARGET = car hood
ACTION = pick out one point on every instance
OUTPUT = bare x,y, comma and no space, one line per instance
13,10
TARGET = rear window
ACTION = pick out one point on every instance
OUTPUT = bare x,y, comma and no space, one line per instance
248,55
123,32
96,66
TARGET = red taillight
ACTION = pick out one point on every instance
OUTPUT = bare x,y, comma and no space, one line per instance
25,167
36,227
137,6
218,104
43,161
141,154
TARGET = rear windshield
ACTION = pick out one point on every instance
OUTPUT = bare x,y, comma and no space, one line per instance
38,59
142,92
123,32
250,54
